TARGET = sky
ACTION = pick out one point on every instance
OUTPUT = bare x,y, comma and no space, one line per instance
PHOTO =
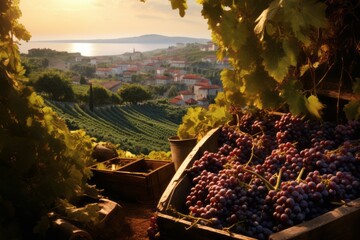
101,19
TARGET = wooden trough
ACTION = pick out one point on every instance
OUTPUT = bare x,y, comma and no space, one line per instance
341,223
140,180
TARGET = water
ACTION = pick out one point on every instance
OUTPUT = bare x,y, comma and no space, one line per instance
93,49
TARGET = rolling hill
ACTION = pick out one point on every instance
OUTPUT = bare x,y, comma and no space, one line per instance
135,128
144,39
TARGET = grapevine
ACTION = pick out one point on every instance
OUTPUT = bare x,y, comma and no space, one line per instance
287,56
40,161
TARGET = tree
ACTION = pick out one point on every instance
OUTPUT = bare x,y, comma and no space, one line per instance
83,80
55,85
84,69
101,96
134,93
285,54
173,91
40,161
91,98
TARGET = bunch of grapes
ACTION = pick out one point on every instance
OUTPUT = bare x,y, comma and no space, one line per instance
269,174
292,128
212,162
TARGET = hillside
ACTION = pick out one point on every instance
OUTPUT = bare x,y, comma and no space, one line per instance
144,39
136,128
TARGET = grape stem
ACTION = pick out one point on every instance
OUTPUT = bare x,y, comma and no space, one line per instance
266,182
189,217
298,179
278,180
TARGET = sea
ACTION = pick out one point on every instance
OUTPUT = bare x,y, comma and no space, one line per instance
93,49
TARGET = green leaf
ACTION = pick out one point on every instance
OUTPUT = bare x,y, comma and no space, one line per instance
258,81
292,50
279,56
179,4
232,85
274,60
249,54
267,15
314,106
234,33
356,86
293,97
304,15
352,110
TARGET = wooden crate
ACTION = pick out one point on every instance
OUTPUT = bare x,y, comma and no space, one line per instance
113,164
341,223
141,180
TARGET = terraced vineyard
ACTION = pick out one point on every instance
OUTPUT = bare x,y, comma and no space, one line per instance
136,128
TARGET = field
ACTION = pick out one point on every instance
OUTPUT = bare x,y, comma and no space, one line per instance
135,128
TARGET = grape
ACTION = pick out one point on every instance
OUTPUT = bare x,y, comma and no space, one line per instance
292,129
270,174
153,229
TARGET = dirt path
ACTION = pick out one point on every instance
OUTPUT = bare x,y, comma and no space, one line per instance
130,224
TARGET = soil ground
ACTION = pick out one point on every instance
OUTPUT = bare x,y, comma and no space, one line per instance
130,223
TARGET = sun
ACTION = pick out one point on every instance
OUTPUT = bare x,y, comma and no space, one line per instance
86,49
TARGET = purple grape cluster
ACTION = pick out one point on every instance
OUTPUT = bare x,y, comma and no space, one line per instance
153,229
270,174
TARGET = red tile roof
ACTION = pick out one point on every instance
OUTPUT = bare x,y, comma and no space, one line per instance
210,87
191,101
175,100
186,93
103,69
192,76
163,77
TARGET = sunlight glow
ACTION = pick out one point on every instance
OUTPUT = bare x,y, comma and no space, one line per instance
86,49
88,19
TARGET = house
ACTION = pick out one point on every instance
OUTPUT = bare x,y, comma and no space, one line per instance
149,67
209,59
186,95
210,46
205,91
162,80
177,63
176,74
178,100
191,101
160,71
191,79
113,86
119,68
127,75
103,72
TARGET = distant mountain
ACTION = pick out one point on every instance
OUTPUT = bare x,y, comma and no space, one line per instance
144,39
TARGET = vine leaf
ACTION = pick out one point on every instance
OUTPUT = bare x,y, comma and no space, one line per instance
356,86
272,56
293,96
303,15
279,56
179,4
233,32
267,15
314,106
352,109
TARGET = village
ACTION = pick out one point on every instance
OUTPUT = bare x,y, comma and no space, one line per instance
196,74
